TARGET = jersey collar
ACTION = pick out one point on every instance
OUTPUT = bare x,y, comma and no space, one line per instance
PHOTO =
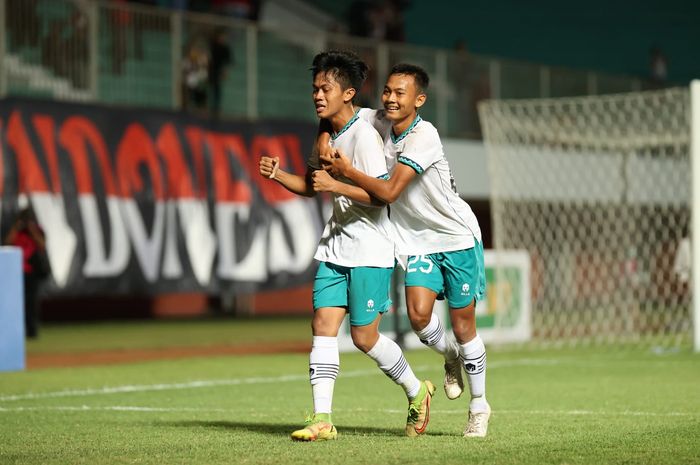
401,136
354,118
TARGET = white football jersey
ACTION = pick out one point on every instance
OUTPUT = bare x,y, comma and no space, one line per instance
429,216
357,234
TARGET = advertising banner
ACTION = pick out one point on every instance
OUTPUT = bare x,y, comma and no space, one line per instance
146,201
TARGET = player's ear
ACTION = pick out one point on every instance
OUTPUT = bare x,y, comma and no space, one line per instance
420,100
349,94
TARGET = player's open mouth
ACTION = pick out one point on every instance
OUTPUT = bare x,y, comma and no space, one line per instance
320,108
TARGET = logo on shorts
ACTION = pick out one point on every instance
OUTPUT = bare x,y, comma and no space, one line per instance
465,289
370,305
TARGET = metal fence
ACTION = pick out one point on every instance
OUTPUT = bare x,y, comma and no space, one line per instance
82,50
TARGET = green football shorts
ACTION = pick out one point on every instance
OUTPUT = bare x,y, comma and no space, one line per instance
362,290
458,275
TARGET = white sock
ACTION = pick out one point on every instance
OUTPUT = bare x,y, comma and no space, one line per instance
435,337
473,355
391,361
324,363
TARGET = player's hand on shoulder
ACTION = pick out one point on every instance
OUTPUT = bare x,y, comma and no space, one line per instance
268,166
322,181
336,163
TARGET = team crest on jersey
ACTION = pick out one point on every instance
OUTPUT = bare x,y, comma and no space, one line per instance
465,289
370,305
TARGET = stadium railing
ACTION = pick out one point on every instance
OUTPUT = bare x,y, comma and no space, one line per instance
133,55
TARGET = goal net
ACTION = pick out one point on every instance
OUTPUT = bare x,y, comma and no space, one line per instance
597,189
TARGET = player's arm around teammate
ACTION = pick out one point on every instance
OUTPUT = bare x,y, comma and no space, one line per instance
356,257
402,98
421,183
419,300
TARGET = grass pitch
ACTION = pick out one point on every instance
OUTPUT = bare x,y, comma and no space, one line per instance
585,406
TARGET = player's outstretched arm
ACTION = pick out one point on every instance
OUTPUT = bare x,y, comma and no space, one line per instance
300,185
385,190
323,182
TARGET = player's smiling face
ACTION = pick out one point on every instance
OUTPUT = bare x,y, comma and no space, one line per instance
401,97
329,96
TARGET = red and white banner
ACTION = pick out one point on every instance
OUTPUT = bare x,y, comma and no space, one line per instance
143,201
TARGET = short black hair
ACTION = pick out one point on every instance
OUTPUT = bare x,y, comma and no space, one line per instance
345,67
418,73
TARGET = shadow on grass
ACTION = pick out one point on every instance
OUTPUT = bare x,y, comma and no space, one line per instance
277,429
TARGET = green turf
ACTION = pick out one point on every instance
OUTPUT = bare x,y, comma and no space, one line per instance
565,406
154,334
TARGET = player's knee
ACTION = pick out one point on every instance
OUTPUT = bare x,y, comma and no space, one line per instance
464,324
418,317
364,340
322,326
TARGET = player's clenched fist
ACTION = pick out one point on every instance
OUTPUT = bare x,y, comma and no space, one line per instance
323,182
269,166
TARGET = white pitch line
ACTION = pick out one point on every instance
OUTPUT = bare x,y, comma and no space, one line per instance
229,382
549,412
111,408
147,387
141,409
171,386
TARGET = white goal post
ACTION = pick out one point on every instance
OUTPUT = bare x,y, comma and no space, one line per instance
695,176
598,190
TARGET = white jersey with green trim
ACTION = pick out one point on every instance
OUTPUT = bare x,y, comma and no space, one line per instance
429,216
357,234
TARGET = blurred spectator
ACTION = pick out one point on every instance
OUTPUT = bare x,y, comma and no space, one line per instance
23,22
120,18
76,46
220,57
358,18
379,17
367,96
462,79
462,54
481,90
195,77
380,20
140,22
26,234
64,47
52,49
396,23
683,259
658,67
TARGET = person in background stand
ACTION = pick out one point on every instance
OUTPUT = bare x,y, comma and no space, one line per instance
658,68
195,73
220,57
26,234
